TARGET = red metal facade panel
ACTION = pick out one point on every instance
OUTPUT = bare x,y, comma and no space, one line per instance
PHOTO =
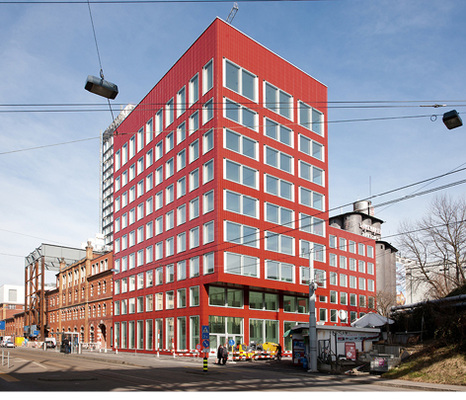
218,43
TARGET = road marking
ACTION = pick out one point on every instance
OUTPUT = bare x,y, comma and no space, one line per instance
8,378
39,365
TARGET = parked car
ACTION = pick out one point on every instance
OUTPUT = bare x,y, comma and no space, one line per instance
10,345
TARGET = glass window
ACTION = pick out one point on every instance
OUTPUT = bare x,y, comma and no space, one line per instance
181,187
208,202
181,333
238,264
208,141
193,90
181,242
181,102
278,101
278,132
278,187
209,263
240,144
181,133
159,122
240,81
181,270
181,298
207,111
169,112
194,296
193,180
208,232
279,160
241,234
170,300
311,224
241,204
311,147
194,208
194,151
193,122
241,174
208,173
194,237
311,199
279,243
279,271
241,115
225,297
170,273
310,118
208,77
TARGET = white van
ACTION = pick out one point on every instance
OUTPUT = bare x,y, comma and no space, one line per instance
5,340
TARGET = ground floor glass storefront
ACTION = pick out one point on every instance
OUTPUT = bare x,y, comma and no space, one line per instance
160,334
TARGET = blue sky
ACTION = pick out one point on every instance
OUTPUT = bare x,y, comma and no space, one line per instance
405,52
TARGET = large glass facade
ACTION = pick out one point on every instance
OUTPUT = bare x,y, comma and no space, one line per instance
262,331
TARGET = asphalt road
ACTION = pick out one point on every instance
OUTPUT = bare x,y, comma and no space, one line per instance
37,370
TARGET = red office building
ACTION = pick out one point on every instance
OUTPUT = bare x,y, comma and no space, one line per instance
220,194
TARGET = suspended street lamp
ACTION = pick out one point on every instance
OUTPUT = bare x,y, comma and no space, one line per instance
452,120
101,87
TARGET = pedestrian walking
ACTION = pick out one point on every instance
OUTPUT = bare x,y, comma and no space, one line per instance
225,354
219,354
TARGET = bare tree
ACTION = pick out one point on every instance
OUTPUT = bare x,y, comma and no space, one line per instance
437,245
385,302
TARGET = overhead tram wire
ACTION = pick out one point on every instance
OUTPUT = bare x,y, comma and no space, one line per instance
205,128
260,235
231,245
201,129
76,107
110,2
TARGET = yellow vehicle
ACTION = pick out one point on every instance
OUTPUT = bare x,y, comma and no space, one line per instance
245,350
270,346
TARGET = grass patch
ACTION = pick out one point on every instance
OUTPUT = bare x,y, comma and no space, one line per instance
432,364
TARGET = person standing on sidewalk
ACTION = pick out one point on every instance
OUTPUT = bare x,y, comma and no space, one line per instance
219,354
225,354
279,352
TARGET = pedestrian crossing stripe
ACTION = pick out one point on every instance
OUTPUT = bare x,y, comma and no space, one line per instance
8,378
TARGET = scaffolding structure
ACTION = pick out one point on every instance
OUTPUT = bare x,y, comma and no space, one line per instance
45,258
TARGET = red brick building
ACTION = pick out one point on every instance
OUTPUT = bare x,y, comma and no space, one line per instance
220,194
82,301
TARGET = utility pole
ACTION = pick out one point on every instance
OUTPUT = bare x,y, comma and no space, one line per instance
312,364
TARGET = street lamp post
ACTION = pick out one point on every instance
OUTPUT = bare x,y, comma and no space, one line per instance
312,364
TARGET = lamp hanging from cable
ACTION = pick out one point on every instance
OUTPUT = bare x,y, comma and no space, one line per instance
452,120
101,87
97,85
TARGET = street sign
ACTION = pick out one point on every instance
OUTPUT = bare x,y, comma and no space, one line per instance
205,332
206,343
231,342
198,347
2,325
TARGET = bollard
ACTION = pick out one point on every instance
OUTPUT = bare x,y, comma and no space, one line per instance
158,354
205,365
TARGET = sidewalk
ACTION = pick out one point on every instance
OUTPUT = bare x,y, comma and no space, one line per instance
152,360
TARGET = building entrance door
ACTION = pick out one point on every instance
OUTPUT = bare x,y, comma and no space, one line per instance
220,339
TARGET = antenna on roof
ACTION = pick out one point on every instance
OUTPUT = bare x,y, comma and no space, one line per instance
233,12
